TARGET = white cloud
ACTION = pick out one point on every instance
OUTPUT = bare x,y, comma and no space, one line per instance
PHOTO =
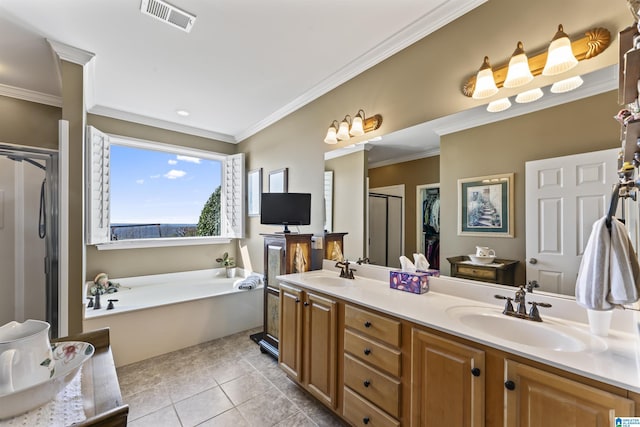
174,174
172,162
188,159
139,181
155,176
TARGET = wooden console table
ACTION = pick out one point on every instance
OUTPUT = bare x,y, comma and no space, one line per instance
103,404
501,271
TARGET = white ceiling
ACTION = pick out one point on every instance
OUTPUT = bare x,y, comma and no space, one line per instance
244,65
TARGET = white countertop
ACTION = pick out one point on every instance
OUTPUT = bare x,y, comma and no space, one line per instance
612,359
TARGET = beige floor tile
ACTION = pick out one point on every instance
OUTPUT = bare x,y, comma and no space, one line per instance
147,401
231,418
202,406
297,420
231,369
165,417
267,409
246,387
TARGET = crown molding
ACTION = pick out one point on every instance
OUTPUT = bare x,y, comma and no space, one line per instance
433,20
70,53
163,124
30,95
417,156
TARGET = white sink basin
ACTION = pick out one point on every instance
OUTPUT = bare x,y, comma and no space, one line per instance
327,280
546,335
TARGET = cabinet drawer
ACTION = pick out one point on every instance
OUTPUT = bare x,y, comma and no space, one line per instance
382,328
481,273
359,412
375,386
382,357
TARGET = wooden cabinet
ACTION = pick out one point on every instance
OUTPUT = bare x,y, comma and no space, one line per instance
534,397
308,341
448,382
372,368
283,254
501,271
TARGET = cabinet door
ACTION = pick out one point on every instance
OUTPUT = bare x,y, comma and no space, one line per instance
290,345
321,354
539,398
447,382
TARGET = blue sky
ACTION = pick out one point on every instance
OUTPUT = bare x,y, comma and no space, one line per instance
159,187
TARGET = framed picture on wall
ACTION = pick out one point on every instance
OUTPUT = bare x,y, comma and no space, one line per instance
254,191
485,206
278,181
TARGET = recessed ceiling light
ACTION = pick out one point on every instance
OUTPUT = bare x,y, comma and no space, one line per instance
183,113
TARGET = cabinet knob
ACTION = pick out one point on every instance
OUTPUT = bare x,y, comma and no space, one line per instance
365,420
367,351
306,304
297,300
510,385
475,372
367,324
366,383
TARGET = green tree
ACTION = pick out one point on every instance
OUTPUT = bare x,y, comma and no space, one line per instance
209,222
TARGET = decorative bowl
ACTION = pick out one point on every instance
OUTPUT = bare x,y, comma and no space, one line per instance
481,259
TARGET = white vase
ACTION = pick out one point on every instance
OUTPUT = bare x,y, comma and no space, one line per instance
231,272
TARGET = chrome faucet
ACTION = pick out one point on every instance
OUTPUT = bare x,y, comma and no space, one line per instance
345,271
521,309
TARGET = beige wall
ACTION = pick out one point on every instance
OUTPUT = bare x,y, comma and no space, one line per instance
411,174
504,147
349,200
28,123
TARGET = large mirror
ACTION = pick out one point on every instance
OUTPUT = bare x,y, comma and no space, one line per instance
477,143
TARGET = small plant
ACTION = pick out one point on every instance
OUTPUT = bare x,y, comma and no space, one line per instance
226,260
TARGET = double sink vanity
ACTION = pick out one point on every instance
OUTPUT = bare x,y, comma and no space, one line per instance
382,357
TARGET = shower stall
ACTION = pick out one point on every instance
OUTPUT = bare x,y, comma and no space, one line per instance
29,235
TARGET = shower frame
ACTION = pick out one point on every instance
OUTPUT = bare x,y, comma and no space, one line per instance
52,238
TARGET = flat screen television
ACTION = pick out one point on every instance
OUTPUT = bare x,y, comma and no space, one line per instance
285,209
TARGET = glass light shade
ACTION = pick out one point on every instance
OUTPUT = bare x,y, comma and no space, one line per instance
560,57
567,85
529,96
343,131
331,136
518,73
485,83
498,105
357,127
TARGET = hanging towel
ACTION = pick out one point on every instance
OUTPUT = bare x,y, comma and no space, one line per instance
609,274
299,262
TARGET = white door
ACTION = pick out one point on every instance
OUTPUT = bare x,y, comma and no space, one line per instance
564,197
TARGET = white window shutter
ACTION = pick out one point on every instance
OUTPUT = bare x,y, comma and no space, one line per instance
232,203
98,186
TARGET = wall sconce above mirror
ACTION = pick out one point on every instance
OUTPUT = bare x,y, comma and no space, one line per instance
561,56
349,127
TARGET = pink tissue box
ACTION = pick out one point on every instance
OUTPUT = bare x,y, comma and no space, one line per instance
416,282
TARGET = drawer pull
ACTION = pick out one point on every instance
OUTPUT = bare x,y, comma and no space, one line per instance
475,372
306,304
367,324
365,420
297,300
367,351
366,383
510,385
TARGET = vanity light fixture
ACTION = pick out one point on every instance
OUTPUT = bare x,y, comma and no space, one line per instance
529,96
498,105
518,73
594,42
348,127
567,85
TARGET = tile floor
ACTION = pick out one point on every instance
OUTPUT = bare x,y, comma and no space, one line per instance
225,382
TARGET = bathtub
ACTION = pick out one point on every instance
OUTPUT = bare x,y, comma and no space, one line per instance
161,313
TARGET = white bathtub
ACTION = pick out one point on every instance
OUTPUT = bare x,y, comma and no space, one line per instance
161,313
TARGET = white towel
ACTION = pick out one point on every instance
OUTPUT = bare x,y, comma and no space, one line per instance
609,274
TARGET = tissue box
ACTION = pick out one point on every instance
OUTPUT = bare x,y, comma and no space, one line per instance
416,282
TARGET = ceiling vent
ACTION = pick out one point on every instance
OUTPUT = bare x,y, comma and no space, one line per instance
165,12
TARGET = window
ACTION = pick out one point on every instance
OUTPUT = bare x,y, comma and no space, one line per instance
154,192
